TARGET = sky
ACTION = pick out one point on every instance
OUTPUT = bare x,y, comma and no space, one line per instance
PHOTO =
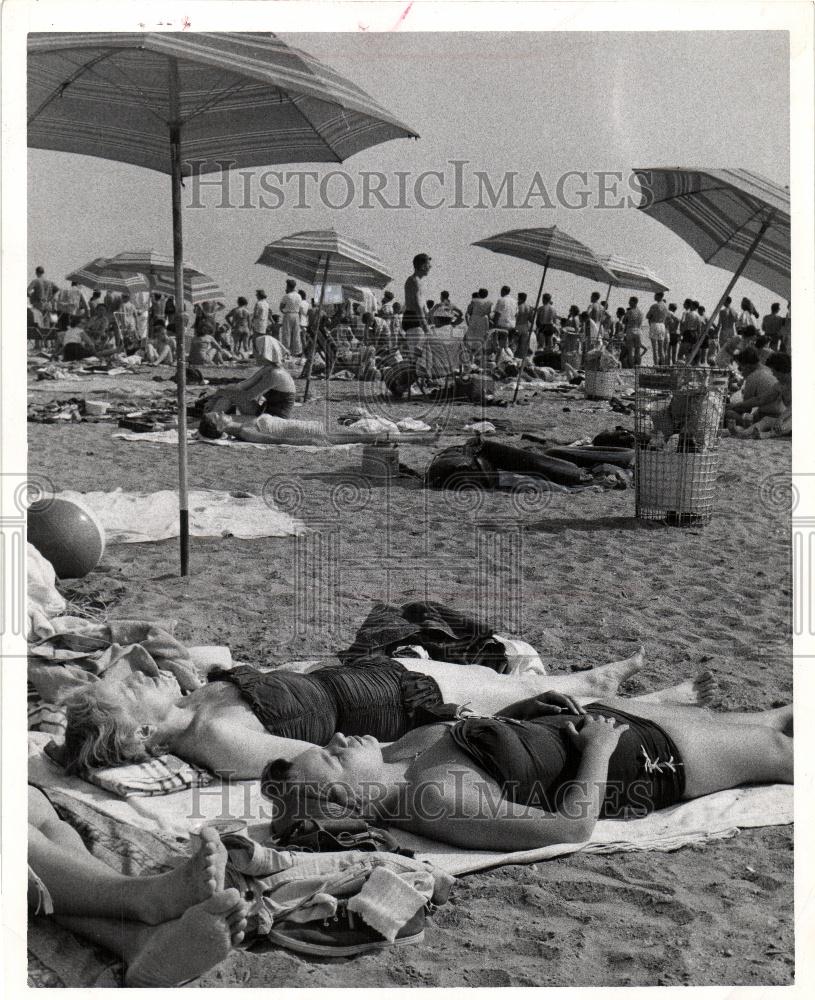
546,102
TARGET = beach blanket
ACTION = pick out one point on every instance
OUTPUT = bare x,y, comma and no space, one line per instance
171,437
150,517
712,817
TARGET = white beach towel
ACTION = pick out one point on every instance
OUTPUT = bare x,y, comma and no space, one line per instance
713,817
150,517
171,437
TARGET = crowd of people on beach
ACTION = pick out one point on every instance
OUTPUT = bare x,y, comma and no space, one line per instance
505,337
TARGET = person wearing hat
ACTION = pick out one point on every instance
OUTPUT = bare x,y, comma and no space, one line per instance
269,390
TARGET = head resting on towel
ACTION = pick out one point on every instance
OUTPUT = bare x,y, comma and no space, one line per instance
211,426
118,721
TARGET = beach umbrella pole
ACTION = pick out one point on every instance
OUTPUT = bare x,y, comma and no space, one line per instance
180,360
313,346
729,289
531,326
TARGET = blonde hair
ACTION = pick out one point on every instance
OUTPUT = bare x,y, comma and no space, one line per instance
97,736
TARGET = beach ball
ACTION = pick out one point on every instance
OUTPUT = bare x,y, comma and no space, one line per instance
67,535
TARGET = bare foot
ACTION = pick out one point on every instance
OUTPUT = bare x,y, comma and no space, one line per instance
606,680
183,949
197,878
700,692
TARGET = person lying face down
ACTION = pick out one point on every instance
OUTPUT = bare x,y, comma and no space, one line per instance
535,778
242,718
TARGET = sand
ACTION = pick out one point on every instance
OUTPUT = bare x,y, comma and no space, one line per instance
577,576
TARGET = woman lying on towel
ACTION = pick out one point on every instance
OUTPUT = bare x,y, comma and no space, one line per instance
242,718
270,390
168,928
530,779
264,429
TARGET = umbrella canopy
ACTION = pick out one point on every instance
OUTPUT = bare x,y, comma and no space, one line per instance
550,247
146,270
99,274
324,256
247,98
633,275
236,100
734,219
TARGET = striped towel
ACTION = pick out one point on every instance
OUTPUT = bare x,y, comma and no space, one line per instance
158,776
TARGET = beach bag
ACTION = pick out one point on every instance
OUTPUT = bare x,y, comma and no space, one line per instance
315,824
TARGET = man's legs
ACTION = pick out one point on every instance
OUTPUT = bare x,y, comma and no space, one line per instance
722,750
81,884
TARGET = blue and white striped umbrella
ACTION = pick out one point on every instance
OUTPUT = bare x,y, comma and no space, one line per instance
734,219
549,247
631,274
306,256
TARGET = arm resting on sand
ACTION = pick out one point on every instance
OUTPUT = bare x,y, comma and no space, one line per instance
470,816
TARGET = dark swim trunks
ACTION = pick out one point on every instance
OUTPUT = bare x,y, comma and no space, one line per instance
376,696
535,761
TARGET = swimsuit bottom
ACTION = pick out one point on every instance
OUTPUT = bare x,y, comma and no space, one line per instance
377,696
534,762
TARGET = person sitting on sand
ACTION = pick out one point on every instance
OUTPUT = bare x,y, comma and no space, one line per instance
759,392
773,416
75,344
532,777
205,349
234,724
167,928
269,390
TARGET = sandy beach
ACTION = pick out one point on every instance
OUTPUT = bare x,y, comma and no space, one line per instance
591,584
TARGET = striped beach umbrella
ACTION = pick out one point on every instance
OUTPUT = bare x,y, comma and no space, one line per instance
631,274
324,257
549,247
159,269
99,274
734,219
194,102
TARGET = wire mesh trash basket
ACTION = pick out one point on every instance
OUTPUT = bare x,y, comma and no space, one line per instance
678,421
601,385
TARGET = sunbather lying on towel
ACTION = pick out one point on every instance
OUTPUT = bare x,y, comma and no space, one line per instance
168,928
264,429
530,779
242,718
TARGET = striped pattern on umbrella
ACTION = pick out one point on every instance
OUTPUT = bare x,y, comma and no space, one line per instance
197,287
158,269
549,247
719,213
99,274
303,255
106,94
633,275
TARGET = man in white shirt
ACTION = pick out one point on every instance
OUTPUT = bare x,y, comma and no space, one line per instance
505,309
290,310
